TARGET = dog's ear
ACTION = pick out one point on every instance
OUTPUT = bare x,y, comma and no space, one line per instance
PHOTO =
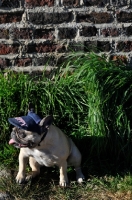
46,122
31,107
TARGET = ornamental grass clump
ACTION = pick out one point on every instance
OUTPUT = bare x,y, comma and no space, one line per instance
90,98
107,86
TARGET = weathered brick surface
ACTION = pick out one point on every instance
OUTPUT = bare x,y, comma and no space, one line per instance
10,3
125,46
100,3
23,33
129,31
33,3
90,46
23,62
119,58
4,63
97,46
8,49
4,34
37,33
68,33
49,18
103,46
88,31
10,17
75,46
97,18
45,47
113,32
42,61
124,16
71,3
44,34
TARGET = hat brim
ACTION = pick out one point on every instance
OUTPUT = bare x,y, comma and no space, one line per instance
29,122
15,123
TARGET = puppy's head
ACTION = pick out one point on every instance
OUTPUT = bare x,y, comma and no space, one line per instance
29,130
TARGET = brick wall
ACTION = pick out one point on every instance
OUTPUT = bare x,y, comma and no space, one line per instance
34,32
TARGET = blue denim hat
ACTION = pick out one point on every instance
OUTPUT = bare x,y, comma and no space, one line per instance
29,122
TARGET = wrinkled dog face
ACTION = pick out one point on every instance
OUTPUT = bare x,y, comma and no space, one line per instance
22,138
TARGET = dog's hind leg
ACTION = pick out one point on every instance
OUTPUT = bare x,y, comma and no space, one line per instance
75,160
77,166
79,175
35,168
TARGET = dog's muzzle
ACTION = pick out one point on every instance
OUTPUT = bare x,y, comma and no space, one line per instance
17,139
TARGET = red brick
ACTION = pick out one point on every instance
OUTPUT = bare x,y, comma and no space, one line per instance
10,17
23,33
10,3
102,3
88,31
48,18
8,49
61,60
90,46
120,3
4,63
114,32
103,46
97,18
23,62
45,60
76,46
124,16
67,33
124,46
71,3
97,46
34,3
94,3
4,34
44,34
119,59
45,48
129,31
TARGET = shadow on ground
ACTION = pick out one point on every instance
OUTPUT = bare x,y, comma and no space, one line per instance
100,157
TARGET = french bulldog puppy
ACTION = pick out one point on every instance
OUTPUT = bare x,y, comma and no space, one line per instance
43,144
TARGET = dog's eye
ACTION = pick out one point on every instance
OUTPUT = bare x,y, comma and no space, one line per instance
23,135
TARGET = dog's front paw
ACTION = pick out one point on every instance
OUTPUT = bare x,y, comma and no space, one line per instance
63,183
29,178
20,178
